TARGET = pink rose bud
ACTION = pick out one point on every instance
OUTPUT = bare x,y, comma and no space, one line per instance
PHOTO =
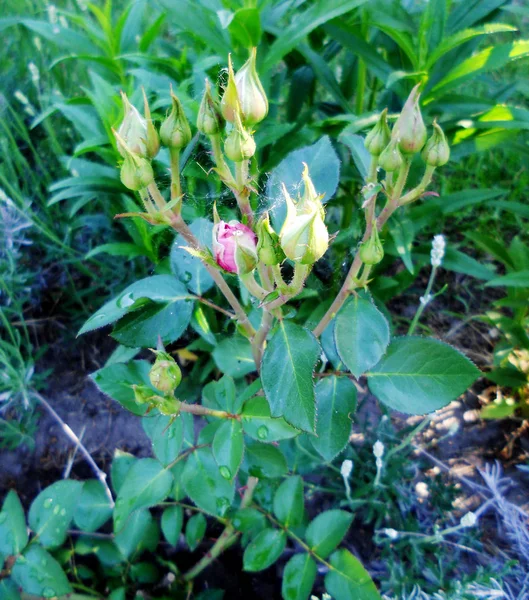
235,247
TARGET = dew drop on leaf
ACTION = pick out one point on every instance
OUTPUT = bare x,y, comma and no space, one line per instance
262,432
225,472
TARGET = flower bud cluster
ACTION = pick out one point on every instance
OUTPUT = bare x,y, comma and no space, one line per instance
407,138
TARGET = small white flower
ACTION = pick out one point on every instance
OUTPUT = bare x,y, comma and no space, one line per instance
35,73
425,299
326,597
63,22
37,43
21,97
52,14
421,489
469,520
378,449
392,534
346,468
438,250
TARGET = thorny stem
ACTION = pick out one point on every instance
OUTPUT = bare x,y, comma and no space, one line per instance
77,442
226,539
200,409
252,286
176,186
416,193
242,191
349,284
156,196
260,337
218,157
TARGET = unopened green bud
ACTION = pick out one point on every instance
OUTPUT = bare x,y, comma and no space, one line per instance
239,144
229,104
136,172
409,128
133,130
378,138
143,394
391,159
371,251
268,247
304,237
252,98
175,131
165,375
436,152
153,139
209,121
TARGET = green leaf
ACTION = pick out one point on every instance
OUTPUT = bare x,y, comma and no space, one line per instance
190,269
264,460
289,505
162,289
9,590
139,533
117,249
195,530
147,483
402,231
518,279
287,370
233,356
324,167
52,511
457,261
488,59
13,529
361,334
452,41
298,577
93,508
302,24
451,203
117,380
245,27
38,573
359,154
264,550
166,435
228,447
258,423
418,376
499,410
121,465
205,485
349,580
172,520
249,520
327,530
336,402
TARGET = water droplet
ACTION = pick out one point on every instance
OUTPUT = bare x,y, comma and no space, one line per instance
225,472
63,512
126,300
56,509
48,502
262,432
222,505
48,592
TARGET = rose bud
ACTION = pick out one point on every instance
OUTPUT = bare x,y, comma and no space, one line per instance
304,237
229,104
239,144
175,131
136,172
436,152
409,128
209,121
165,374
235,247
378,138
268,247
153,139
371,251
252,98
391,158
133,130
